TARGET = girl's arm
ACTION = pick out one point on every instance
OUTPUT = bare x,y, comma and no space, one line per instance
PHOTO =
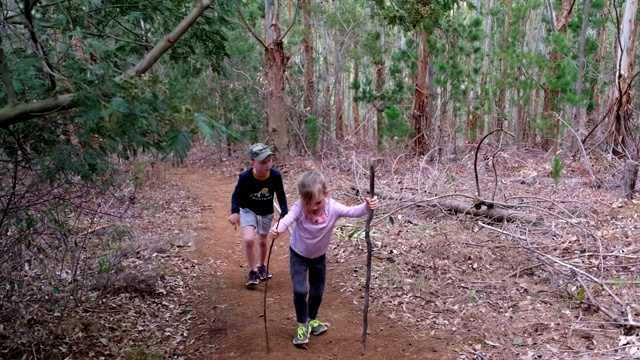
357,210
282,198
286,221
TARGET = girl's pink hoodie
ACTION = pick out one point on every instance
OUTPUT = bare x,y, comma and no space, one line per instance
312,240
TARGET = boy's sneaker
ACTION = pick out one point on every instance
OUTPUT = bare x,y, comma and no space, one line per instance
302,335
254,280
318,327
264,274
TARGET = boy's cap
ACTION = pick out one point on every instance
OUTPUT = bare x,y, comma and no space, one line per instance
259,151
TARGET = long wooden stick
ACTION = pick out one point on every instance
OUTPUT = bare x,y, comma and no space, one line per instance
264,305
367,228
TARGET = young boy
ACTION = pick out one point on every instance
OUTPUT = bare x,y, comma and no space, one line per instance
252,206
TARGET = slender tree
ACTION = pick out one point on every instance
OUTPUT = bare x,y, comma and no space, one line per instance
619,134
276,62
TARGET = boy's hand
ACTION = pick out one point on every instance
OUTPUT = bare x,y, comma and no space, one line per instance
274,232
372,204
234,219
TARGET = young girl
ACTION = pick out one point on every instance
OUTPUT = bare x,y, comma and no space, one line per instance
315,215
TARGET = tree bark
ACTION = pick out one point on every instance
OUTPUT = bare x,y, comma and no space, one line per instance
309,101
326,95
578,123
339,92
276,64
419,111
380,70
309,63
355,106
619,129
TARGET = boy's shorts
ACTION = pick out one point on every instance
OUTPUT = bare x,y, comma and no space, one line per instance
262,223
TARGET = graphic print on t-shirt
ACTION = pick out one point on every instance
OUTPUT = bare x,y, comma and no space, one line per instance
262,195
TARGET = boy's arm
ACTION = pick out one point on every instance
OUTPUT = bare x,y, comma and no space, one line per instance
235,207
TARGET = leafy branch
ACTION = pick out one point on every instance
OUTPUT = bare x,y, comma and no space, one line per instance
15,112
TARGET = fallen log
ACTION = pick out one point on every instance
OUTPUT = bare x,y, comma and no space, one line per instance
492,213
491,210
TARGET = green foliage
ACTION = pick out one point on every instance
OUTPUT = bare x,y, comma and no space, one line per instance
312,133
556,169
395,126
426,15
88,50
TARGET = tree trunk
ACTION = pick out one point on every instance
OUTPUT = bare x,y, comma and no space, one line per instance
419,111
276,64
355,106
276,61
378,103
326,96
339,92
619,130
486,49
599,99
498,120
309,99
578,123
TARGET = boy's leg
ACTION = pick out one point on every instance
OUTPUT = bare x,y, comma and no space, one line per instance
263,272
262,230
262,249
248,235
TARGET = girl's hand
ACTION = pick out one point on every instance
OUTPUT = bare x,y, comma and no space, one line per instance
372,204
274,232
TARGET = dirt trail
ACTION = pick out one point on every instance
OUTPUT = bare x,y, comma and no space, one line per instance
230,322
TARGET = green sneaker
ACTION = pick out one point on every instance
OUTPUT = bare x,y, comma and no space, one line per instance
317,327
302,335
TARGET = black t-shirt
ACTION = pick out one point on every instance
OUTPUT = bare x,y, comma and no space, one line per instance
257,195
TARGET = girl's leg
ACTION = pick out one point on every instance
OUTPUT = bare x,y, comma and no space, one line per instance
317,280
298,268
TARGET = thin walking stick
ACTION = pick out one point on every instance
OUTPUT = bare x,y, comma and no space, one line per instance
367,228
264,308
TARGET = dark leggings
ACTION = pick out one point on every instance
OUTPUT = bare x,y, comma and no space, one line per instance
307,307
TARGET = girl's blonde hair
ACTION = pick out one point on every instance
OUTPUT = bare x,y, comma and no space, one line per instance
311,185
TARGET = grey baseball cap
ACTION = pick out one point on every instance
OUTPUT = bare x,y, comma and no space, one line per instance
259,152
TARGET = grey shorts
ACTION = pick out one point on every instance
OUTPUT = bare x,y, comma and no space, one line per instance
262,223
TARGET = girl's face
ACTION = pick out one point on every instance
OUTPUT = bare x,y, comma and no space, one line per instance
262,167
316,207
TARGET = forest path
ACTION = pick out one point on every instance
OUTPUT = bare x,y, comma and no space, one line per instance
230,321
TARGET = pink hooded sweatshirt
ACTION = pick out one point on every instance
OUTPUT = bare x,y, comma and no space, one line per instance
310,239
